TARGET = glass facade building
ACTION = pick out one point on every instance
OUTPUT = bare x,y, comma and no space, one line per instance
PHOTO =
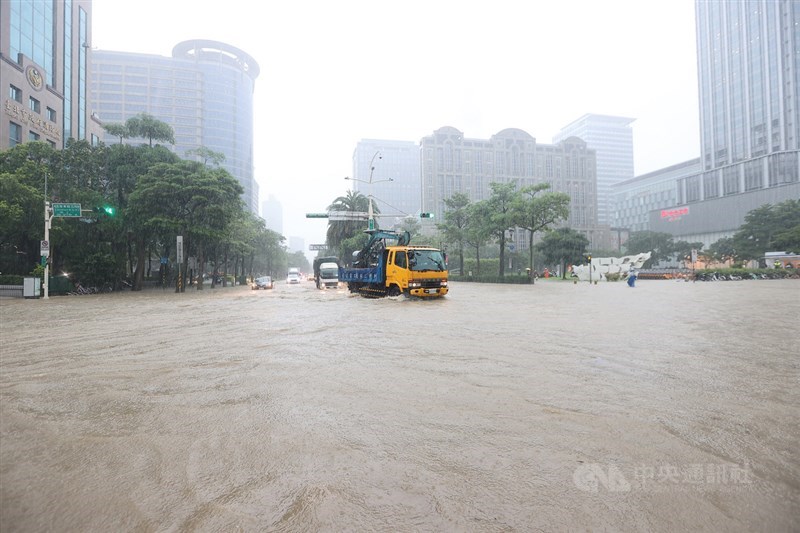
748,63
45,54
612,139
204,92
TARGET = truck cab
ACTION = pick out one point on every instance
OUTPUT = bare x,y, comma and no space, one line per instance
416,271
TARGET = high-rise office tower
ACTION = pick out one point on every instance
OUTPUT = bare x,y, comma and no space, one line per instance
612,140
272,213
204,91
45,49
748,64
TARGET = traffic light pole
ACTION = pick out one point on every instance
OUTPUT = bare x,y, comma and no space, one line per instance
48,218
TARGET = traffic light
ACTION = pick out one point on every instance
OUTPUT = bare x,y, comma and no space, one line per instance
426,215
107,210
589,258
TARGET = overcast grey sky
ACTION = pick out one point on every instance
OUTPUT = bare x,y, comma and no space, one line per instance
333,73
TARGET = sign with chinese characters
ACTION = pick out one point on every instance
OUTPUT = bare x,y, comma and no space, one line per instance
674,214
31,119
66,210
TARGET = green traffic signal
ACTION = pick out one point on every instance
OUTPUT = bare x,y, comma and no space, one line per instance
107,210
426,215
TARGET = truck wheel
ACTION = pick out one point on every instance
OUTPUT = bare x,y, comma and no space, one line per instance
394,290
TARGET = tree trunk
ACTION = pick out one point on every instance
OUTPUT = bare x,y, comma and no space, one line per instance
530,246
201,267
503,254
225,268
138,274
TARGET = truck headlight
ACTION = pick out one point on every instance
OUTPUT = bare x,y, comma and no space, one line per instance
444,283
414,284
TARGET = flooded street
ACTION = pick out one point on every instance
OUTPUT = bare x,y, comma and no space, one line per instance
672,406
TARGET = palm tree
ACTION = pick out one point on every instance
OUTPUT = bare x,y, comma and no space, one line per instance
339,230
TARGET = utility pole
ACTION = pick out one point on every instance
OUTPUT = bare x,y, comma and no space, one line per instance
48,218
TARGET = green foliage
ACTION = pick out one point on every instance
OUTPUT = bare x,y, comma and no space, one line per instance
298,260
534,209
660,244
769,228
343,230
143,185
11,279
518,279
150,128
562,247
722,250
456,219
411,225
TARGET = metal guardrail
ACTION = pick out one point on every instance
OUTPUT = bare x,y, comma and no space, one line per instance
11,291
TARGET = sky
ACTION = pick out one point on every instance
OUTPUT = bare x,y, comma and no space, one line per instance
335,72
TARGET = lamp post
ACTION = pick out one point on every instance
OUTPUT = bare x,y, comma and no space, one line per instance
370,214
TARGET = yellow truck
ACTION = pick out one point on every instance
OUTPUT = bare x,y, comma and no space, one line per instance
389,266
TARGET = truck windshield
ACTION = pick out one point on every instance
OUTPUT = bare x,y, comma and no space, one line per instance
423,260
329,272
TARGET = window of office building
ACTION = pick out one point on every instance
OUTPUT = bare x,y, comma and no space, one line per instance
753,175
15,93
693,189
14,134
34,104
710,186
730,180
783,168
51,114
33,136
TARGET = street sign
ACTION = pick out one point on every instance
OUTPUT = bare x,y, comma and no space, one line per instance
317,247
347,215
44,248
179,250
316,215
66,210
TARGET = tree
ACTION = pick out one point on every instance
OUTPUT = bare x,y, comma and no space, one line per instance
147,126
769,228
206,155
535,212
563,246
341,230
410,224
501,218
660,244
117,130
455,223
478,230
682,250
723,250
188,199
299,260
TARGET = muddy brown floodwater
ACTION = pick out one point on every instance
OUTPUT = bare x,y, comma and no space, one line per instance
669,407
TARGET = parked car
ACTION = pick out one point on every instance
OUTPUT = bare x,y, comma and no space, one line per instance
264,282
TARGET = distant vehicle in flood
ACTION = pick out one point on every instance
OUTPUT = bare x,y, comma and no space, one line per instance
293,277
264,282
